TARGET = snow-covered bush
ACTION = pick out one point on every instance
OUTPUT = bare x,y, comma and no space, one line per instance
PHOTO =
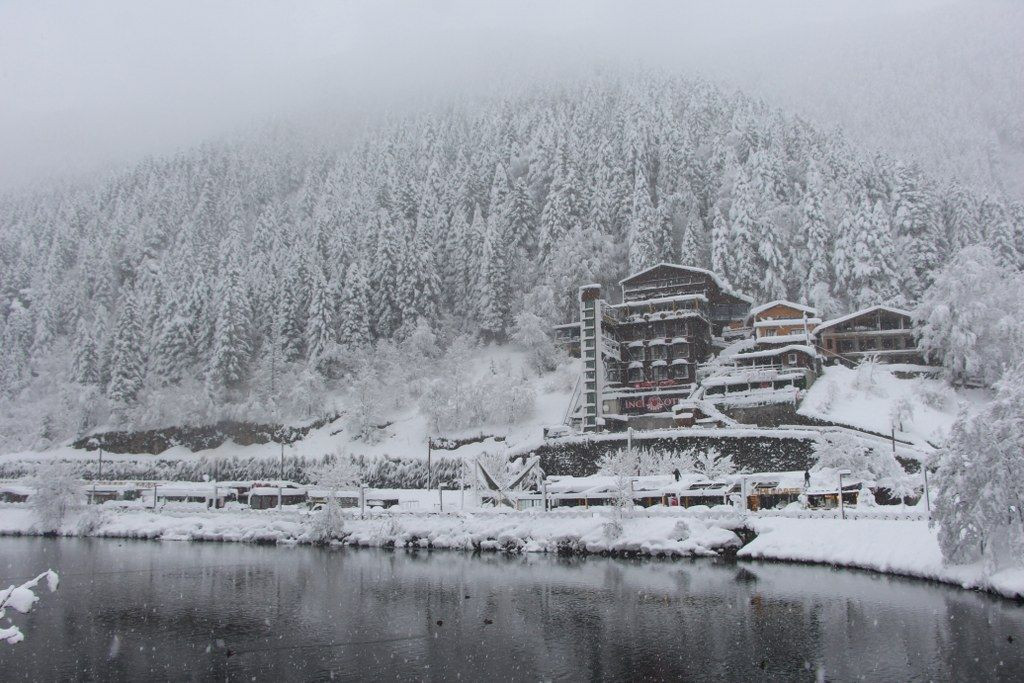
646,461
58,491
933,394
531,332
334,474
979,505
453,402
21,598
713,464
844,451
91,519
901,413
972,316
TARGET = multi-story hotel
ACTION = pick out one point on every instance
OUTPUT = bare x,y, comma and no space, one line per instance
640,356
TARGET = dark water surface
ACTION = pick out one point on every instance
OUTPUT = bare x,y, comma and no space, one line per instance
147,611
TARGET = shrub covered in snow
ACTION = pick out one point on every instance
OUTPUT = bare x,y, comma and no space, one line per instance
972,316
58,491
844,451
713,464
979,506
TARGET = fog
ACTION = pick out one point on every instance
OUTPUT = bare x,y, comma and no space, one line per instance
89,86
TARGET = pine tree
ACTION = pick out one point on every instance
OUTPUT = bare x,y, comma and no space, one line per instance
693,245
385,313
174,360
741,259
127,367
817,279
229,361
354,310
644,227
86,363
320,321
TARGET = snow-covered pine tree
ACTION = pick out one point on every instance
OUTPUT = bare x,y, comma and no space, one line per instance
127,363
816,276
384,310
741,258
320,321
980,497
645,225
353,310
229,361
85,369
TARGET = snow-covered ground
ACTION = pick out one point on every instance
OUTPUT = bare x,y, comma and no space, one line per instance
906,547
868,397
895,540
404,437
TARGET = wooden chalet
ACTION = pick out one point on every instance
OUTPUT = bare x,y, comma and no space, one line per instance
881,332
782,322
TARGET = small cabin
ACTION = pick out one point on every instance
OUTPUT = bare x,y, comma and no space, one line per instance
782,322
266,497
881,332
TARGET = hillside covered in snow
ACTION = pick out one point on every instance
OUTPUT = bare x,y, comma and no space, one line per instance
278,279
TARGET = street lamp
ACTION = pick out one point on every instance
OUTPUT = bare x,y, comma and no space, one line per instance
96,444
842,510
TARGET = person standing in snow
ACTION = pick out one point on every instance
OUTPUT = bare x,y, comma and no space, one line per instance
807,479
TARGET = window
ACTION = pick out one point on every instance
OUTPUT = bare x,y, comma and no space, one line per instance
868,343
846,345
888,343
658,328
612,374
680,372
658,351
680,350
791,359
660,372
636,353
828,343
636,374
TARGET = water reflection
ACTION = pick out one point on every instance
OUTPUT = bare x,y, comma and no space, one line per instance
174,611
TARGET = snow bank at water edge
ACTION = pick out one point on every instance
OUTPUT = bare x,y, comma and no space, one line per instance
905,547
704,531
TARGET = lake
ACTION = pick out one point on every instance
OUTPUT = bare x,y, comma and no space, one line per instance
144,610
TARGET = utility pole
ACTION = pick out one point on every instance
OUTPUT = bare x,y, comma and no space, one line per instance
842,509
430,444
927,497
440,497
280,479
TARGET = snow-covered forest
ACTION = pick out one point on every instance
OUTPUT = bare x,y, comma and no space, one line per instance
256,278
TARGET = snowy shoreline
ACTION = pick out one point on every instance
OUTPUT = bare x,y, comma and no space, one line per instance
902,547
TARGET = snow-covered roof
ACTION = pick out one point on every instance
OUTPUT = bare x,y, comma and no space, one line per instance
751,377
657,342
658,363
661,300
786,322
679,340
636,364
782,338
714,276
636,344
680,361
804,348
780,302
856,314
272,491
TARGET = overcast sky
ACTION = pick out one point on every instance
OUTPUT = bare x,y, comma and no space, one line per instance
88,85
